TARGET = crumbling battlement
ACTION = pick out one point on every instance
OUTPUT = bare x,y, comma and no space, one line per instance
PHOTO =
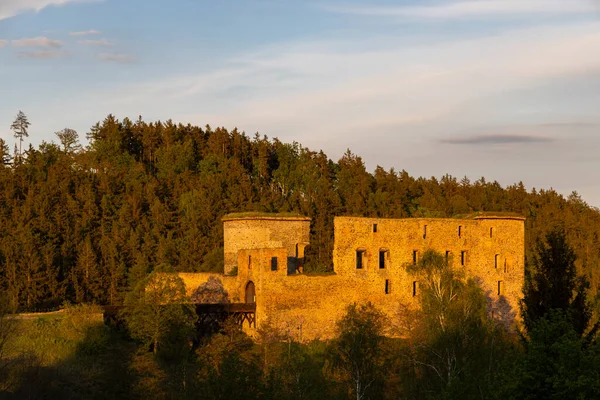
370,257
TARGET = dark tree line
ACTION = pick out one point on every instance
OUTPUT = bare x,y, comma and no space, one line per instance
88,225
451,347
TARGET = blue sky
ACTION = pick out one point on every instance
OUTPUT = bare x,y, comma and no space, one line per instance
506,89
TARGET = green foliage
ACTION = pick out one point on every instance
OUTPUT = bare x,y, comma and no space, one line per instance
87,226
54,337
157,315
301,372
454,349
234,271
356,353
554,285
229,368
68,354
557,363
69,139
254,214
213,262
7,333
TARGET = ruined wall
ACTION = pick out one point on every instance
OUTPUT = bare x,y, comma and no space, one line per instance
194,279
264,232
489,249
309,306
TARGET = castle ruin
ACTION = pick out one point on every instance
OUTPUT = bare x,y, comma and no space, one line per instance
264,257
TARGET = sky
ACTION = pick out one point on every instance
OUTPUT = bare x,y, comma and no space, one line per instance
508,90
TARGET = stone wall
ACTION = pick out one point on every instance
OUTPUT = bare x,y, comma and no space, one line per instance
242,233
489,249
194,279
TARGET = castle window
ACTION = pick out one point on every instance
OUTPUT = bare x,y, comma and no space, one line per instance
424,231
491,232
415,288
387,286
375,228
360,255
496,260
500,288
273,263
459,231
383,258
447,256
249,262
463,258
415,256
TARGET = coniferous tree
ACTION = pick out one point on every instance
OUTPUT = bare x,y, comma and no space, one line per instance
146,193
554,285
20,127
5,157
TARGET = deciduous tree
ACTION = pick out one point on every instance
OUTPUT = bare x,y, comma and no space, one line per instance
69,139
157,313
356,353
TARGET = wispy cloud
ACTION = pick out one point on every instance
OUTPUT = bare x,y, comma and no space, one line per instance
3,43
496,139
10,8
42,54
41,41
344,90
120,58
574,125
85,33
479,8
99,42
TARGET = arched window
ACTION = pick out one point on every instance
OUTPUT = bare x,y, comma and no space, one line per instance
250,293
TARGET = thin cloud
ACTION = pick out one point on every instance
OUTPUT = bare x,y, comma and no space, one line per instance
10,8
85,33
497,139
573,125
42,54
345,92
3,43
472,9
116,57
41,41
99,42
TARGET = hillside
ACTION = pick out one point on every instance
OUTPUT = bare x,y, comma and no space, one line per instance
85,226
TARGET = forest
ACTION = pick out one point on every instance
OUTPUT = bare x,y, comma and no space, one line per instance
83,227
86,224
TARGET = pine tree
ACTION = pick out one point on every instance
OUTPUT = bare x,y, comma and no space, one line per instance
554,285
5,157
20,128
